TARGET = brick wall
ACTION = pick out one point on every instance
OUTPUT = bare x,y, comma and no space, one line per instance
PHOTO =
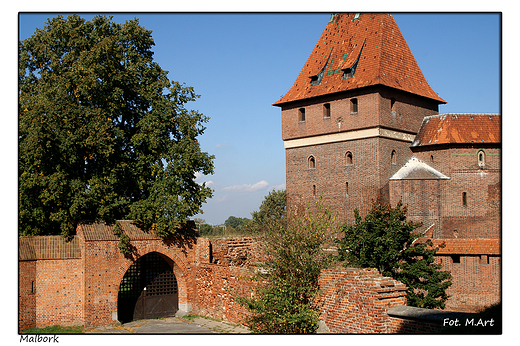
476,281
215,287
374,109
356,300
84,291
50,293
26,294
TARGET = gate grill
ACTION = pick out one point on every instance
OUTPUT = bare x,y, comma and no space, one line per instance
150,276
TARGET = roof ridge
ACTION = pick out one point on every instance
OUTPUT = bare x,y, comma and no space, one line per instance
365,50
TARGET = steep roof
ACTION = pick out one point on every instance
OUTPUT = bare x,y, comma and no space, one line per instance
359,50
459,129
416,169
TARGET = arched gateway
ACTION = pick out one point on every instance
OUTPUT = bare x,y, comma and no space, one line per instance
87,281
148,289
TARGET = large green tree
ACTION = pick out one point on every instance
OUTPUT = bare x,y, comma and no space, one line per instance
387,241
103,133
272,213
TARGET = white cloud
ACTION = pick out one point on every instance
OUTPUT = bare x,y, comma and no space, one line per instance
222,145
208,183
262,184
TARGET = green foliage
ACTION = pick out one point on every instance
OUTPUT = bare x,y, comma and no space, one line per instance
103,133
385,240
238,223
285,301
55,330
124,241
272,212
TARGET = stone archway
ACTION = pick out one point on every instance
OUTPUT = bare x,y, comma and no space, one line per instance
148,289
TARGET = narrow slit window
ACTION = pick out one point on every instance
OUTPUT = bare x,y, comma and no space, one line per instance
354,106
346,190
393,157
301,114
464,199
326,110
313,190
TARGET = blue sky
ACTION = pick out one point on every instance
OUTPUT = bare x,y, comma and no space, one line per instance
242,63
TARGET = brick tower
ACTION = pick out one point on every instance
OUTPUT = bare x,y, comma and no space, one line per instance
351,115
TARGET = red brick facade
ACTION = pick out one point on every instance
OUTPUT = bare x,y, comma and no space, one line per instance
209,272
368,129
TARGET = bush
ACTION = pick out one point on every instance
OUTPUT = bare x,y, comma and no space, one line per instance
285,301
386,240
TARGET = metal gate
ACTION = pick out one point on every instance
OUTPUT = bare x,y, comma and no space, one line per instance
148,290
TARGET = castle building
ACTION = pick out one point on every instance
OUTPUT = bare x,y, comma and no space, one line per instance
361,122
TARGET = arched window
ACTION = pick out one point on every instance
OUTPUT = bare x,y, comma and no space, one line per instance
481,158
348,158
393,157
312,162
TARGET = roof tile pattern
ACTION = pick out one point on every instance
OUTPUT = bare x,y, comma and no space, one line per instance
459,129
48,247
467,246
102,231
384,59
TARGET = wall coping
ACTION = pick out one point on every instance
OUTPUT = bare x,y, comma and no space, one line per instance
422,314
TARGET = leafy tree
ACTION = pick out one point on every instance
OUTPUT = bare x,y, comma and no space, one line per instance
235,222
272,212
285,301
385,240
103,133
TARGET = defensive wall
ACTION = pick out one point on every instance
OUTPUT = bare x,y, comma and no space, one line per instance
76,282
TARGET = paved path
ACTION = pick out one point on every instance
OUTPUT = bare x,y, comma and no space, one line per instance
173,325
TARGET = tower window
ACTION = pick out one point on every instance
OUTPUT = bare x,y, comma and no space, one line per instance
353,106
481,158
464,199
313,190
312,162
393,157
301,114
347,73
346,190
392,107
348,158
326,110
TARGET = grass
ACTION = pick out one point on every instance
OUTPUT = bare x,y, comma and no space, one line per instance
55,330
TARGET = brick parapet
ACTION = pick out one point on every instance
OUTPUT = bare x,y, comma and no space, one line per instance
356,300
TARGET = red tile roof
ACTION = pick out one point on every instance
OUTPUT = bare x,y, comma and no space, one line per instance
459,129
467,246
384,59
102,231
48,247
